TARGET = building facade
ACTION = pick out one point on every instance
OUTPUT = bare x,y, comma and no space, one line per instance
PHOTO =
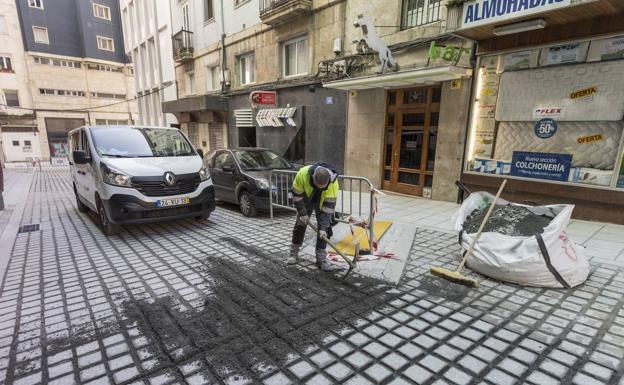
377,88
147,37
76,69
547,111
18,130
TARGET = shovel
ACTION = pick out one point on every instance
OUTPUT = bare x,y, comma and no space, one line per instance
350,262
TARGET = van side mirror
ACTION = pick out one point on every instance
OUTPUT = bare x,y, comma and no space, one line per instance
80,157
200,152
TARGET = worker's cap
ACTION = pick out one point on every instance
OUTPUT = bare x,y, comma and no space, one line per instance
321,177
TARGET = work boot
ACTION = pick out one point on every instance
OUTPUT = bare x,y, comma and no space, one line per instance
293,258
321,260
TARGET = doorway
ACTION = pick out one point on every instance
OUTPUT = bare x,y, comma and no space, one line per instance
410,139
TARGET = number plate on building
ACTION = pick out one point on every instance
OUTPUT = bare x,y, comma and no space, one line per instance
173,202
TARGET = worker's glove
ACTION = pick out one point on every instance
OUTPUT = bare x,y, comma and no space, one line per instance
303,219
322,234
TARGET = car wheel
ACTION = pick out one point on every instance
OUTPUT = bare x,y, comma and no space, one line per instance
107,227
246,204
81,206
203,217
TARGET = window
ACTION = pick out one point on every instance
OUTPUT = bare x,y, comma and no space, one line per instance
101,11
105,43
190,83
246,69
419,12
186,25
295,57
16,143
35,4
3,28
41,35
27,143
224,159
104,67
11,97
208,10
50,91
103,95
213,78
57,62
5,64
111,122
239,2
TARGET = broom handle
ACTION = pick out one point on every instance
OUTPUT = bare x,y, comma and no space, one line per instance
476,238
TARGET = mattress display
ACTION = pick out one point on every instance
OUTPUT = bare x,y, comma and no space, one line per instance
583,92
593,145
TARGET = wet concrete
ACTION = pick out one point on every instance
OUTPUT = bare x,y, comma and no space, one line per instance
440,287
256,316
508,220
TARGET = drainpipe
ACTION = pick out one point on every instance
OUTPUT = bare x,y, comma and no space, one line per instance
223,59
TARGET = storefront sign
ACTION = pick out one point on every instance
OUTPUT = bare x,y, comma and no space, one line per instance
263,97
272,117
568,53
517,61
481,12
545,128
586,94
539,165
447,53
547,112
590,139
612,49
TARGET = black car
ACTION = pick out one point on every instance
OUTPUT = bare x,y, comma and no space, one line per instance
242,175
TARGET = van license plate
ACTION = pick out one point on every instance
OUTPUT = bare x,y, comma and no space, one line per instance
173,202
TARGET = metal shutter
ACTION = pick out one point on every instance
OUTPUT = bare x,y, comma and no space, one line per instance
244,118
215,136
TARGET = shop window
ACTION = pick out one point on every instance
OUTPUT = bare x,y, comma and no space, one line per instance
11,98
436,95
428,181
419,12
387,175
391,98
16,143
431,148
409,178
295,57
5,64
246,69
413,119
40,34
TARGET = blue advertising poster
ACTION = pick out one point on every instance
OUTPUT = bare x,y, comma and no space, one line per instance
540,165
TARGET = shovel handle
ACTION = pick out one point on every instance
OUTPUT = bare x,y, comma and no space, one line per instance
313,227
476,238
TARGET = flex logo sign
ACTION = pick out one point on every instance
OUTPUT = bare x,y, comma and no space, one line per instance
447,53
547,112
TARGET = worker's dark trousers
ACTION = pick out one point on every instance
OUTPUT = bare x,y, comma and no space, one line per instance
300,229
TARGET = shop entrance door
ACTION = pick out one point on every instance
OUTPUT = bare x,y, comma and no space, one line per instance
410,139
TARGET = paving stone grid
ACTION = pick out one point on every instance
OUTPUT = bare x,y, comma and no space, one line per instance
209,303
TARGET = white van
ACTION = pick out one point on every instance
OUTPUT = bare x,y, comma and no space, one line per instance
134,174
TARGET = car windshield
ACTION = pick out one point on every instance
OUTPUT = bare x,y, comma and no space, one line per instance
139,142
260,160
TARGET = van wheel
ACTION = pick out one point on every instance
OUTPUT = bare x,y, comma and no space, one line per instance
246,204
81,206
107,227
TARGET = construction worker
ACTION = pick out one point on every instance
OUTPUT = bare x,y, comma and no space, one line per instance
315,188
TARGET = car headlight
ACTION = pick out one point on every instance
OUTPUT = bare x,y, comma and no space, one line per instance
115,177
263,184
204,174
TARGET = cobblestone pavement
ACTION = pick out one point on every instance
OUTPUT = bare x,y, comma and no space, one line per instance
210,302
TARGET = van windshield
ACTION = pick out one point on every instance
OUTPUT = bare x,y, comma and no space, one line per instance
139,142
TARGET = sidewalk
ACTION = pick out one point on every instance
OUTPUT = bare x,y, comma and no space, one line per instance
603,242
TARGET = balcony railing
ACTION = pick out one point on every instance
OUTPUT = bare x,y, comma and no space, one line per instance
183,46
274,12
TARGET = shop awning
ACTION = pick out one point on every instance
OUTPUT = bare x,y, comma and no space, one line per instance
561,15
402,78
198,103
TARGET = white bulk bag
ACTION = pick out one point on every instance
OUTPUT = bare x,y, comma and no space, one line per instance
558,263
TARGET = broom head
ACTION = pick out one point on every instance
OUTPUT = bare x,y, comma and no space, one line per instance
453,276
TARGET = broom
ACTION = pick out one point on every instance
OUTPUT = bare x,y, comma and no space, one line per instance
456,276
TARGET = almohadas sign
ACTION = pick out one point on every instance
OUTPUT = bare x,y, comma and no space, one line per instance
480,12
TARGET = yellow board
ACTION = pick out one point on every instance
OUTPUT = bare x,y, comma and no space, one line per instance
347,246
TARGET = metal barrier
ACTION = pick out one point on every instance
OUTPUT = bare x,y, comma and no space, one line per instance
354,191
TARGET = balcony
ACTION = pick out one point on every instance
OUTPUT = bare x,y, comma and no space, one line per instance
183,46
275,12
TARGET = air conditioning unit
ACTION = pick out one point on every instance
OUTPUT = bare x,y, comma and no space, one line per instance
224,77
